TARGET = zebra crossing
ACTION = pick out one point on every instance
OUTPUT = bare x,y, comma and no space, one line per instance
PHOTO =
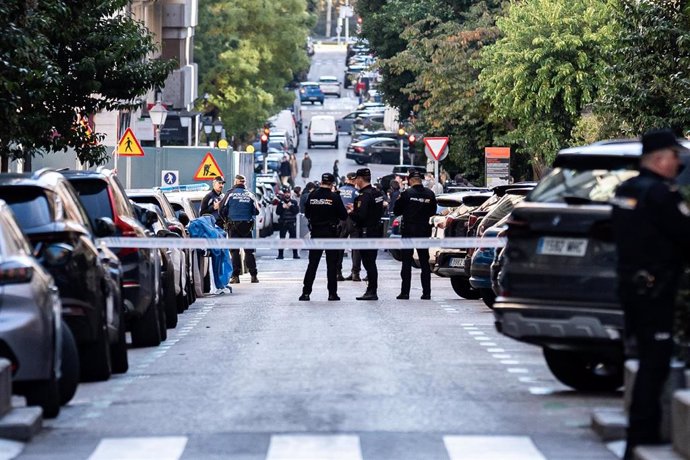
320,447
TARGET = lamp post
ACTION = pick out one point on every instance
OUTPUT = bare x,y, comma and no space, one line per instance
208,127
158,114
218,128
401,135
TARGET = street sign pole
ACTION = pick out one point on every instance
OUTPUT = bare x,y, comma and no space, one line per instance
347,22
436,178
401,152
265,163
128,177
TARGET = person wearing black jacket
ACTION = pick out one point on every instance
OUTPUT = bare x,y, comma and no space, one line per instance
366,212
416,205
210,204
287,210
650,213
325,210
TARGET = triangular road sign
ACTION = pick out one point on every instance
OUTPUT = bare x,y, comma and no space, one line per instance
436,146
208,169
129,145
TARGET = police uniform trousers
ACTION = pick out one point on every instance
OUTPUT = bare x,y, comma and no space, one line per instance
315,257
242,229
290,229
347,229
649,319
411,231
369,262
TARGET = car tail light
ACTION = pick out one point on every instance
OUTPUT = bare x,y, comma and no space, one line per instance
14,274
359,149
126,230
396,223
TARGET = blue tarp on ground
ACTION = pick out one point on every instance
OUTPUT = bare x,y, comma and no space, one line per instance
205,227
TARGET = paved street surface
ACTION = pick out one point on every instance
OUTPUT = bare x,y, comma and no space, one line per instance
259,375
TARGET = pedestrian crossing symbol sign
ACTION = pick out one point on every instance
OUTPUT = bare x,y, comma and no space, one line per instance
129,145
208,169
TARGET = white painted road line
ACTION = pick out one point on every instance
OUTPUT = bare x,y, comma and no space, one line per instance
491,448
303,447
155,448
10,449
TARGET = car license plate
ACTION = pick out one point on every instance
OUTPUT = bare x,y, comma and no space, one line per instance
573,247
313,98
456,262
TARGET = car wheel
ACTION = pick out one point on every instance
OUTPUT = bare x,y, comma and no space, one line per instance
335,145
359,162
118,350
375,159
461,286
169,300
309,145
94,357
488,297
145,331
45,394
182,302
162,316
69,367
321,101
585,371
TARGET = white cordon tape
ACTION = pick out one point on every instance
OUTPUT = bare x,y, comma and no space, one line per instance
317,243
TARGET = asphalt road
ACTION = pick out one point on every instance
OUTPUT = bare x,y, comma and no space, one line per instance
257,375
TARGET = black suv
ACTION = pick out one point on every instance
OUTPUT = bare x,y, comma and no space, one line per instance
558,282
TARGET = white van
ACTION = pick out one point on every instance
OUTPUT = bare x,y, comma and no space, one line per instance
322,130
285,121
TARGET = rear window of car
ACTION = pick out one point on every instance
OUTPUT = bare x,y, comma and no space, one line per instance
93,194
30,205
148,200
575,186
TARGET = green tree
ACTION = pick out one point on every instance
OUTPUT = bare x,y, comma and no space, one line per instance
63,59
247,51
549,64
649,85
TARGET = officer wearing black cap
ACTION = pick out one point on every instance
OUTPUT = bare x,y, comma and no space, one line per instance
366,214
416,205
324,210
651,224
210,204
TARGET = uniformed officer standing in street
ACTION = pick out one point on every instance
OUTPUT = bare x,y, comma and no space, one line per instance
366,214
416,205
238,209
349,193
325,210
651,225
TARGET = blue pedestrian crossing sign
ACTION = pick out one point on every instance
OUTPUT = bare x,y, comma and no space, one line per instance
170,177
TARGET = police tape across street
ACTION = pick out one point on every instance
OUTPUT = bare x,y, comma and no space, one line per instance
306,243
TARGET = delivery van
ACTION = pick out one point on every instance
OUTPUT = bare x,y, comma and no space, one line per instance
322,131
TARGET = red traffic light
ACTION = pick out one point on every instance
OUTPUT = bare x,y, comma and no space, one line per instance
264,138
412,138
359,20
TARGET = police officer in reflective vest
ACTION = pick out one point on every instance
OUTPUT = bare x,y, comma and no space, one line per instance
238,209
416,205
325,210
651,224
366,214
348,193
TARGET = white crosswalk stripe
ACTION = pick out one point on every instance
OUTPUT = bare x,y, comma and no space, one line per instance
491,448
154,448
305,447
10,449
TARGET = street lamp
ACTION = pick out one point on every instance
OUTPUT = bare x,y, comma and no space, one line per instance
158,114
208,127
218,128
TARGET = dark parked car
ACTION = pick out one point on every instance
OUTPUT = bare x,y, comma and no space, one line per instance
558,280
51,215
377,150
33,337
104,197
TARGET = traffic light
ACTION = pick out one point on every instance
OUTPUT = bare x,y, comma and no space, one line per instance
411,142
401,133
264,140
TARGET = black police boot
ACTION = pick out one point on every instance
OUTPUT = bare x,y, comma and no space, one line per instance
333,297
426,296
295,255
368,295
340,276
304,297
255,279
402,296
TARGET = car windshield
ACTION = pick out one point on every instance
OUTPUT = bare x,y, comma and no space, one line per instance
565,185
30,206
93,194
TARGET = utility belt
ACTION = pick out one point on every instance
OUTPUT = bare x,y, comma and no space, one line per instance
242,227
375,231
323,229
648,283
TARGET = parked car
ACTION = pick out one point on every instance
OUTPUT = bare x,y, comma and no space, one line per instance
558,280
351,74
290,122
345,123
330,85
481,261
33,337
322,131
104,197
376,150
52,217
310,91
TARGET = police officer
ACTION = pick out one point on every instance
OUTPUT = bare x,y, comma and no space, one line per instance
325,210
348,193
210,204
416,205
651,224
238,209
287,210
366,213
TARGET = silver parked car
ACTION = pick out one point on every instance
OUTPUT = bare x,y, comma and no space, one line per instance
40,347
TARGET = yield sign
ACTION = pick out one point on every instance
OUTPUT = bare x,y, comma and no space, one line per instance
129,145
208,169
436,146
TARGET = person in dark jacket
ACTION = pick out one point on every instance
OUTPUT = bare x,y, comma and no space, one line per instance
349,193
650,213
285,171
416,205
306,167
287,210
210,204
305,194
366,214
325,210
393,195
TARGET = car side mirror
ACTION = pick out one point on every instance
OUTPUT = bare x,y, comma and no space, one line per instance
104,227
183,218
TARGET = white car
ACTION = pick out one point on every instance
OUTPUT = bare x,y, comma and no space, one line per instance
329,84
